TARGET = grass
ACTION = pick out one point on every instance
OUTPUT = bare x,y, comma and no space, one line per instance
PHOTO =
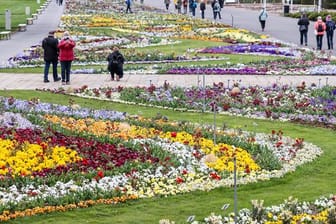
309,182
18,11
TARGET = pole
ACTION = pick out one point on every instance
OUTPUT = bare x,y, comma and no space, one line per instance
214,127
235,189
319,6
204,95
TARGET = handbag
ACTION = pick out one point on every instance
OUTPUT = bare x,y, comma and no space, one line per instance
303,28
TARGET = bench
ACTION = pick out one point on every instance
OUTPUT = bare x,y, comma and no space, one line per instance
5,35
22,27
34,16
29,21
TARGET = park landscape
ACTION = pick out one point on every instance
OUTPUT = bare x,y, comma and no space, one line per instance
169,154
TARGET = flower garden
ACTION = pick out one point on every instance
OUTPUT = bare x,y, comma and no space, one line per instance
59,157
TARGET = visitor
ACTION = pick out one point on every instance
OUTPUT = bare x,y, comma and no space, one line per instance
193,7
262,18
115,64
50,54
202,8
167,3
303,28
179,6
330,27
319,29
66,56
128,6
216,10
185,6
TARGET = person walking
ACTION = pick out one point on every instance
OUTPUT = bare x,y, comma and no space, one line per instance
216,10
330,27
319,29
193,7
262,18
179,6
115,64
50,55
185,6
66,56
167,3
128,6
202,8
303,28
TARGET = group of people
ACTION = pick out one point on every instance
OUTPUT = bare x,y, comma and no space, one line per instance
320,28
55,51
63,51
216,5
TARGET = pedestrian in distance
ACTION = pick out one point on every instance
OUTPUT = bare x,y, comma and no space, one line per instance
202,8
221,3
262,18
179,6
216,10
115,64
319,29
167,3
193,7
330,27
66,56
50,55
128,6
303,28
60,2
185,6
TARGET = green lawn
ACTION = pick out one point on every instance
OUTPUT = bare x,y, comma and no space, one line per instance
307,183
18,11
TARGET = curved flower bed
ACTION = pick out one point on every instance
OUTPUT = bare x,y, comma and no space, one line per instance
123,159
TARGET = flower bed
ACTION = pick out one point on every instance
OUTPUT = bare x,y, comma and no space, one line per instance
309,105
70,159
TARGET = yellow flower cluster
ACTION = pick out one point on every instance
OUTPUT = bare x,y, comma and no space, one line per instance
224,153
23,159
7,215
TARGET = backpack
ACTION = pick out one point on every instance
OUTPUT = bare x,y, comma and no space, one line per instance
330,25
319,28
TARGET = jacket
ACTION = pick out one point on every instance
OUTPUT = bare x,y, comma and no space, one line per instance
304,21
49,45
66,52
316,27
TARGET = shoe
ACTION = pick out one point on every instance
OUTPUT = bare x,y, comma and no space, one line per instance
68,83
46,81
63,82
112,79
57,79
305,44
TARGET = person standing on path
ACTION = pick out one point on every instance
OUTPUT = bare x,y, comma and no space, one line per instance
303,28
262,18
115,64
50,54
202,8
128,6
216,10
330,26
185,6
167,3
66,56
319,29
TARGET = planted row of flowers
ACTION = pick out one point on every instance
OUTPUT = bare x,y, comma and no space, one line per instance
101,159
322,210
310,105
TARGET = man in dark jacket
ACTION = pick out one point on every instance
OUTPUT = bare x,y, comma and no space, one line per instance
115,63
49,45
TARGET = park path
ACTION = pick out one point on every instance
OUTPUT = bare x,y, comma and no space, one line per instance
50,18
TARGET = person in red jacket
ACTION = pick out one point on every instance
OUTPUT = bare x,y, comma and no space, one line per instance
66,56
320,28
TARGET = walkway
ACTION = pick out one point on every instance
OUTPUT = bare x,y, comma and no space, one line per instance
277,26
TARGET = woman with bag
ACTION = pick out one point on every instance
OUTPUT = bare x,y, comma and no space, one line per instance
303,28
262,18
